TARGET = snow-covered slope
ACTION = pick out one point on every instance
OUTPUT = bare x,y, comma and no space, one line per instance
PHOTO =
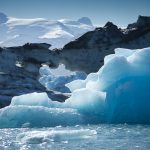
16,32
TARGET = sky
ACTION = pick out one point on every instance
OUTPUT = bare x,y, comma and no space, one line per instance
120,12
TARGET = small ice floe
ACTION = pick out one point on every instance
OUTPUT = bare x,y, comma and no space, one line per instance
37,137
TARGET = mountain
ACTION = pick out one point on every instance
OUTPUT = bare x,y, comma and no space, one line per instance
88,51
3,18
85,20
17,32
19,71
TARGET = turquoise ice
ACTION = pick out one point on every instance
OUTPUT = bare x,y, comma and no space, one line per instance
117,93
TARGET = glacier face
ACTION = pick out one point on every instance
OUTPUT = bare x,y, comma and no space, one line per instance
117,93
17,32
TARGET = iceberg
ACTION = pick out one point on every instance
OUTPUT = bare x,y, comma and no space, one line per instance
57,79
78,83
117,93
32,99
125,80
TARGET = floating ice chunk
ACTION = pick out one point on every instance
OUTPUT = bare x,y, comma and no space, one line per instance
125,78
123,52
55,79
45,70
92,77
114,70
108,58
76,84
32,99
38,116
87,101
92,85
140,57
119,52
62,71
37,137
91,81
128,100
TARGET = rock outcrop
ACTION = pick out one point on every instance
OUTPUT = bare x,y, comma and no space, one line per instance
19,71
87,52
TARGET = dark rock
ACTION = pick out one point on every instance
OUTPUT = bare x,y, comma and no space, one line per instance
143,21
57,96
36,46
19,71
110,25
89,50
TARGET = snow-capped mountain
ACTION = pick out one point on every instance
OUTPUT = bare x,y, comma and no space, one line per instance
16,32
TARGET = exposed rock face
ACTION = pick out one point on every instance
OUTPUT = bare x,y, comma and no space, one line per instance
141,22
87,52
19,71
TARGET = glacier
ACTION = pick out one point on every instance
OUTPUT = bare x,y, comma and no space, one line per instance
18,31
117,93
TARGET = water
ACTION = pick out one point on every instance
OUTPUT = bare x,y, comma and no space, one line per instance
105,137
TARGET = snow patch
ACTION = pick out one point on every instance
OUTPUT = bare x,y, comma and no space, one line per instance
17,32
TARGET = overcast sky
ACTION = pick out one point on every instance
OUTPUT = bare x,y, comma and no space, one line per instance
121,12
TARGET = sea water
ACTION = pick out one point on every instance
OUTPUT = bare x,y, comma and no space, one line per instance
89,137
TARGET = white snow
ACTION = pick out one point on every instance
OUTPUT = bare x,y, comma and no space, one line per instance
16,21
17,31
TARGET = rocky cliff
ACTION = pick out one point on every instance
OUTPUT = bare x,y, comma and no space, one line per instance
19,71
87,52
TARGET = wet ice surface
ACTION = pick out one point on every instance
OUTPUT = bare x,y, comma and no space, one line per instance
109,137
